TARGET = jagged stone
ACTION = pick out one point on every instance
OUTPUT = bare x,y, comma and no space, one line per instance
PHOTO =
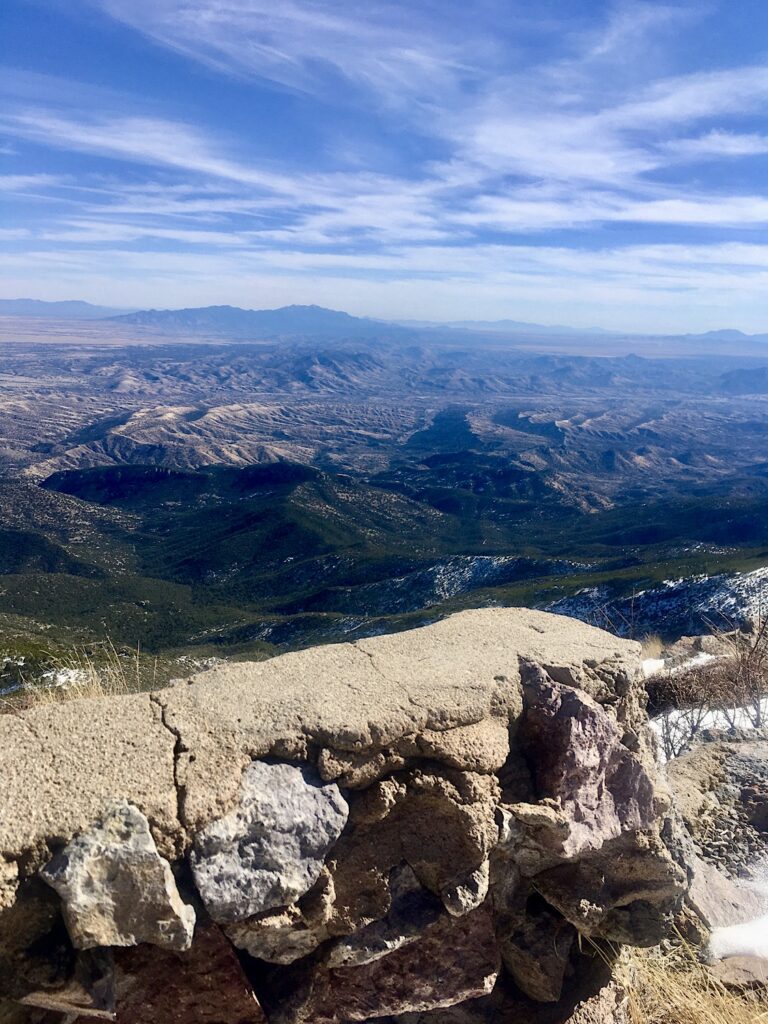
270,849
460,805
370,697
412,910
455,959
628,891
441,823
285,935
204,985
116,888
467,892
535,947
580,762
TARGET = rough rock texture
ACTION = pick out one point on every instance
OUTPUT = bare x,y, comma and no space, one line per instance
61,763
205,985
270,849
416,827
721,788
600,787
115,887
454,960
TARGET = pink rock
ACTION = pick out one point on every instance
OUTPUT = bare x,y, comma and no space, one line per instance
580,762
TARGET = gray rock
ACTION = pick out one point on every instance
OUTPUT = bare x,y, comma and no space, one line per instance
270,849
290,933
116,888
468,892
412,910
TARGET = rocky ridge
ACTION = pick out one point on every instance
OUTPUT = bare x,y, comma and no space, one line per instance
415,827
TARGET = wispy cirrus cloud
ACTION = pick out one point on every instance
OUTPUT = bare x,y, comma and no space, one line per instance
491,145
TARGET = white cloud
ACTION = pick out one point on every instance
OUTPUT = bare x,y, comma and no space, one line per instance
512,146
717,144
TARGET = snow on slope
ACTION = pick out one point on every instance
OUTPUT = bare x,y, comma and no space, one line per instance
683,606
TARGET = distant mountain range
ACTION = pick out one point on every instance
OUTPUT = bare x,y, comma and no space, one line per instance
506,327
319,322
234,322
72,309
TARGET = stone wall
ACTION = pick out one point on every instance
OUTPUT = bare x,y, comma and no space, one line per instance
457,823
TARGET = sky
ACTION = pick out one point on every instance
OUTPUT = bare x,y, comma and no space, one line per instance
566,161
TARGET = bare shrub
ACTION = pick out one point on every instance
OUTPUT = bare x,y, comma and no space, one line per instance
727,693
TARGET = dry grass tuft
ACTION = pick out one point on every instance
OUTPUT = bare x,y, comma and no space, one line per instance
670,986
79,674
652,646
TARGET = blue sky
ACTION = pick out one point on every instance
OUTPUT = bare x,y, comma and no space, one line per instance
572,161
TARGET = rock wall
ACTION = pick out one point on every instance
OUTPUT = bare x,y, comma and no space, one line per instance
457,823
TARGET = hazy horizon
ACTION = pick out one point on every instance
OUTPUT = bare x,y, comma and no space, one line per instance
589,163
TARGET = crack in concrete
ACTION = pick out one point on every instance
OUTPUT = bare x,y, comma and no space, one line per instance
179,748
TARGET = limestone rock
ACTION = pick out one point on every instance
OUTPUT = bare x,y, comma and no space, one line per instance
116,888
270,849
456,959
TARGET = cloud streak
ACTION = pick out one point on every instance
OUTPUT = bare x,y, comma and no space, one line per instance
495,148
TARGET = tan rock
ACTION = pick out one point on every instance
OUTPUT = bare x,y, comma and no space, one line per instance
446,692
116,888
62,763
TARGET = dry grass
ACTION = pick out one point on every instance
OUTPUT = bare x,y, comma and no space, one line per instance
652,646
81,674
670,986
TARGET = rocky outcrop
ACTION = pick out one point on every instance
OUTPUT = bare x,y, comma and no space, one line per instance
414,827
721,788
